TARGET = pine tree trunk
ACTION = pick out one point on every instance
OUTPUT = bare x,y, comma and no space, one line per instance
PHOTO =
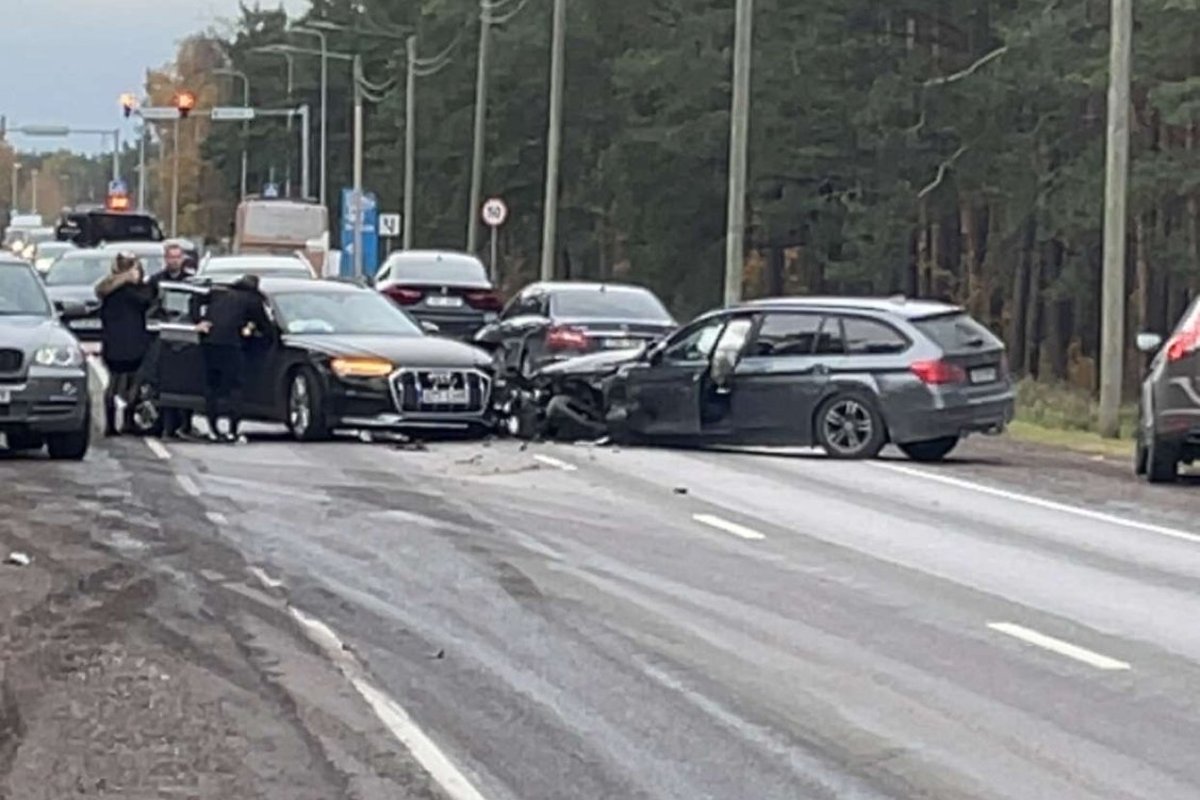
1033,315
968,226
924,285
1018,315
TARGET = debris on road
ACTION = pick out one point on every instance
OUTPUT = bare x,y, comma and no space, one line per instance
18,559
681,490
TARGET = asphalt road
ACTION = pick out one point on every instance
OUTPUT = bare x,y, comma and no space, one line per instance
576,622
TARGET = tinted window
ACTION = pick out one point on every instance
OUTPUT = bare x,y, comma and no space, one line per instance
871,337
696,344
82,271
343,312
123,228
456,270
624,304
20,293
957,332
829,341
787,335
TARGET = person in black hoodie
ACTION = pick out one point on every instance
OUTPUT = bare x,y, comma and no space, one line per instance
124,300
232,315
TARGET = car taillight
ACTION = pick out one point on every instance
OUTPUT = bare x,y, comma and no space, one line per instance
1183,344
405,297
484,301
564,338
938,373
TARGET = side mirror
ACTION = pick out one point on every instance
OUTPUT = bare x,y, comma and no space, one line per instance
430,327
1149,343
72,309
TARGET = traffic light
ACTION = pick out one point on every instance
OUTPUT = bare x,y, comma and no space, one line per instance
128,104
185,102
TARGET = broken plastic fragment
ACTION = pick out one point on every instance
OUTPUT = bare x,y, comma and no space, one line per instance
18,559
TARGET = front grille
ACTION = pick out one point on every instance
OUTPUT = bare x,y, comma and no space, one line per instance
411,387
11,360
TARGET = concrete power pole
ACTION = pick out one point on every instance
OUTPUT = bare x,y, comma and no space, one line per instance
554,140
1112,327
739,145
481,93
410,141
358,168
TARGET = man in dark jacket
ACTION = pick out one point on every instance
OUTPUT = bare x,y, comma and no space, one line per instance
175,267
124,300
232,315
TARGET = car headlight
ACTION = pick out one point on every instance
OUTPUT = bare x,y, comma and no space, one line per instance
58,357
355,367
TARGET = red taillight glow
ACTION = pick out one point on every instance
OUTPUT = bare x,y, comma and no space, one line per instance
1183,344
938,373
405,297
563,338
484,301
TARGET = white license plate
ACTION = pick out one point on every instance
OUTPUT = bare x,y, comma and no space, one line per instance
86,324
983,375
443,301
5,396
445,397
622,344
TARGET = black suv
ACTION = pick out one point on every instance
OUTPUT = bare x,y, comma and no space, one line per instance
1168,431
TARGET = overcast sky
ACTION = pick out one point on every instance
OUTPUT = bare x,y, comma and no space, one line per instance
66,62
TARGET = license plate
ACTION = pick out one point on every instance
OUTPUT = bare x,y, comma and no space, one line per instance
621,344
443,301
445,397
983,375
5,396
86,324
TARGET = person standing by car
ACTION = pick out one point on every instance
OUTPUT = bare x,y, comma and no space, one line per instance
175,267
232,315
176,423
124,301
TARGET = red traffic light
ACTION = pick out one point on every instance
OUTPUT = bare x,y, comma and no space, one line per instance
117,202
128,104
185,102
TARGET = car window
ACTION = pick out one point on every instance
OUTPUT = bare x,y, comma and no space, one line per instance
325,312
612,303
830,341
783,334
20,294
871,337
695,344
83,271
435,270
733,339
957,332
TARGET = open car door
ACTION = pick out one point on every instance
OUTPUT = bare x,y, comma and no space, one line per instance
179,367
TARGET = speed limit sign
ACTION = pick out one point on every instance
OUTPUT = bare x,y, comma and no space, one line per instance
495,212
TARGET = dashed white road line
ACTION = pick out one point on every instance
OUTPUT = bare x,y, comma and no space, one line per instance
217,518
1050,505
557,463
266,580
158,448
740,531
188,485
439,766
1067,649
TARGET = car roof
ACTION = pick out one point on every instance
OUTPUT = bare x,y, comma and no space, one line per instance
583,286
427,255
139,247
80,253
899,305
281,285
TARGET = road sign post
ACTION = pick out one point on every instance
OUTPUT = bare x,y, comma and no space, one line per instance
495,214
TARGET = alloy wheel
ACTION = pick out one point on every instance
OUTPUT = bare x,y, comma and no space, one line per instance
299,406
848,426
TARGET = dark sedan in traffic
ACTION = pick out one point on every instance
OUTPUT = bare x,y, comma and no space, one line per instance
338,356
1168,432
847,375
72,280
449,290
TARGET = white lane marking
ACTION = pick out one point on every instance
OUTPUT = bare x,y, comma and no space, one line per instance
158,448
217,518
266,580
188,485
741,531
557,463
1058,646
1050,505
390,713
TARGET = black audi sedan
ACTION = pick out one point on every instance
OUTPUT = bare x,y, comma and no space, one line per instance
337,357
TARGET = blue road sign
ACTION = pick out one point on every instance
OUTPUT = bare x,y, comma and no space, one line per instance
117,187
370,235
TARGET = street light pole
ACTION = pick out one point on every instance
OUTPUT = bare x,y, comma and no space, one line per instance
233,73
554,140
739,145
358,168
324,109
410,140
305,130
142,166
116,154
1112,323
481,100
33,183
175,182
16,183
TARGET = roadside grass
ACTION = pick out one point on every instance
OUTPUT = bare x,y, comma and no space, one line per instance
1057,415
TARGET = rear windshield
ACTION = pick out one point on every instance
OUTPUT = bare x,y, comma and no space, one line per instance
459,270
81,271
622,304
958,333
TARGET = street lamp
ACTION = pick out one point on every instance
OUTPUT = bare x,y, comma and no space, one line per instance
16,175
325,55
234,73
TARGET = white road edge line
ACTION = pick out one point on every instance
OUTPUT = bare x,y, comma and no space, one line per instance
217,518
1058,646
1050,505
390,713
740,531
266,580
158,448
557,463
188,485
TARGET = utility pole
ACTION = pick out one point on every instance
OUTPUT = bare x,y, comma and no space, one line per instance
481,100
33,187
16,183
358,168
1112,324
142,167
305,166
410,140
116,165
739,145
175,182
554,140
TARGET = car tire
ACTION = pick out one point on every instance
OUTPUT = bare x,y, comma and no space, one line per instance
930,452
1162,461
306,419
70,446
1140,456
849,427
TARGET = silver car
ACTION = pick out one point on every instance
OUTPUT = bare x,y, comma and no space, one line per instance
1168,431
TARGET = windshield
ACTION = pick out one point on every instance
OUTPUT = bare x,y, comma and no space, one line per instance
623,304
20,293
458,270
83,271
356,312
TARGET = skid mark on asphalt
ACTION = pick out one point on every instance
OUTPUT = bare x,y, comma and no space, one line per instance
439,766
1062,648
